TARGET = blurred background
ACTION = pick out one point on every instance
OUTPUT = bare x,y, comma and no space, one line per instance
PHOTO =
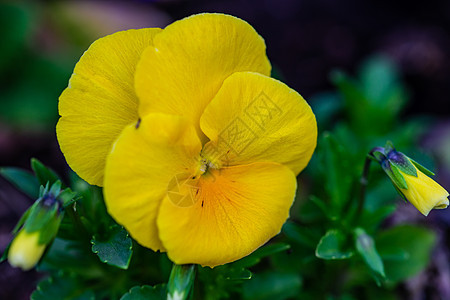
306,41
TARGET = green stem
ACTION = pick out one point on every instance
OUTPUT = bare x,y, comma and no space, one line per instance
180,282
363,181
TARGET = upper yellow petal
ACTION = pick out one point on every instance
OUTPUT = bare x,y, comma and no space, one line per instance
139,169
257,118
425,193
100,101
235,211
191,58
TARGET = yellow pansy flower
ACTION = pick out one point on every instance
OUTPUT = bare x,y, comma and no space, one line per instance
409,179
25,250
204,164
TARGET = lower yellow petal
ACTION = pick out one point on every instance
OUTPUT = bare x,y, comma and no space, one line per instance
235,211
140,167
257,118
100,101
425,193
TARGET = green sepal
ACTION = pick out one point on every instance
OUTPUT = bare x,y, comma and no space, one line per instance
5,253
377,156
403,164
421,168
40,216
22,220
43,174
394,174
48,232
55,189
400,193
389,147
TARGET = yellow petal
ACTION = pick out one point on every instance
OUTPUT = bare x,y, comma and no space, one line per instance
100,101
236,210
140,167
257,118
25,250
425,193
190,59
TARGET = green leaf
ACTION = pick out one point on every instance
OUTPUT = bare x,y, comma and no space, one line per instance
23,180
61,286
365,246
333,246
259,254
414,243
337,172
303,236
272,285
116,250
43,174
146,292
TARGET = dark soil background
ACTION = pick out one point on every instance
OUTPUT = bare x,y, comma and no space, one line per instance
306,40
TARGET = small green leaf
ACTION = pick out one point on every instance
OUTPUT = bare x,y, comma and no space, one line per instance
146,292
302,236
365,246
116,250
23,180
333,246
61,286
43,174
272,285
259,254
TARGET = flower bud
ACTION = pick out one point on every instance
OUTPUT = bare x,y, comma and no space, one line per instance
38,227
411,180
25,250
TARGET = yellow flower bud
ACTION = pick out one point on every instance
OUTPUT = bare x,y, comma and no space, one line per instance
25,250
424,193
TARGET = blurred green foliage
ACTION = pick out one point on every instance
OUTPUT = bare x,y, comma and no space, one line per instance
35,64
